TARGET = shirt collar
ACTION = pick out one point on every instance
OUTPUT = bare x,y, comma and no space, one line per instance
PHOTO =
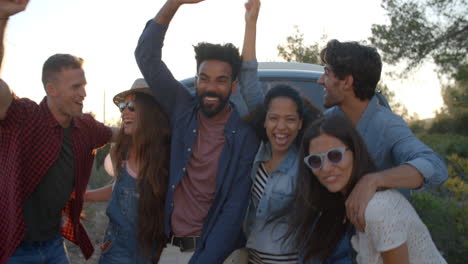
50,119
289,161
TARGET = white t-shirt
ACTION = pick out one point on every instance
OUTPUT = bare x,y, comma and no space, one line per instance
390,222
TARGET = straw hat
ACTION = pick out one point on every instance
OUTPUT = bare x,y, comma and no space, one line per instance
139,86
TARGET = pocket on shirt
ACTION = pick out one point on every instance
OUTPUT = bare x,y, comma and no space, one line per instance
127,202
279,200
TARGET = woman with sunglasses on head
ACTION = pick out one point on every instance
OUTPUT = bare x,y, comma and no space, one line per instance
140,158
333,159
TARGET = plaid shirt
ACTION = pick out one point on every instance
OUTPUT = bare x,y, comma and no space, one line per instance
30,142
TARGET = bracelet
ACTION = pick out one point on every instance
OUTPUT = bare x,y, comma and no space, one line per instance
4,18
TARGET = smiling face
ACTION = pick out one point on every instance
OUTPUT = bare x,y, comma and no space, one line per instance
282,123
333,87
214,85
334,176
67,91
129,117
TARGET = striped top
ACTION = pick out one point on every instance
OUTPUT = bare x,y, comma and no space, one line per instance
259,184
257,257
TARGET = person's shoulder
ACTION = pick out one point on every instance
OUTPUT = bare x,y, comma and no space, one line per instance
385,116
382,204
86,121
22,108
24,103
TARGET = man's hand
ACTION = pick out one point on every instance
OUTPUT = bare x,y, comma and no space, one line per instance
357,201
181,2
167,12
252,8
11,7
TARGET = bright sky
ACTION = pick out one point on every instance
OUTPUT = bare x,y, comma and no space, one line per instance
105,32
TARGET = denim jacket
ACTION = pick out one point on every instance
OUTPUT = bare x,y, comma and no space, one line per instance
222,230
279,191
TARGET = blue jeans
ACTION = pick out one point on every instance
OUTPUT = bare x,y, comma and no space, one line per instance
50,251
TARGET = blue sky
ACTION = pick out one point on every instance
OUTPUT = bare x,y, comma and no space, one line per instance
104,33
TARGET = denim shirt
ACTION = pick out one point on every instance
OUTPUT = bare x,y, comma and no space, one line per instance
278,193
222,230
391,143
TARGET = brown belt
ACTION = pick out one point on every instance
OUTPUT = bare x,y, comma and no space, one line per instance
186,244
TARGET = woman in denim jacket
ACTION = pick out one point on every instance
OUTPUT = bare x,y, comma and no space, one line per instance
278,122
141,159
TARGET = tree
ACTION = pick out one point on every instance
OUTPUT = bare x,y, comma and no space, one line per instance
296,51
453,117
422,29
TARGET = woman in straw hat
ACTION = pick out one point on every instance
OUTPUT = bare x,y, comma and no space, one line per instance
141,160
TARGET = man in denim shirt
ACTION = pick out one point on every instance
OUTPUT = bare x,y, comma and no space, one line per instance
212,149
352,72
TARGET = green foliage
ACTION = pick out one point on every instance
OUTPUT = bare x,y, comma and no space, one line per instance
296,50
447,221
445,210
99,176
422,29
453,117
446,144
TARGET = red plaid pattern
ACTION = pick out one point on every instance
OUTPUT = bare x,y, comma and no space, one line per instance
30,142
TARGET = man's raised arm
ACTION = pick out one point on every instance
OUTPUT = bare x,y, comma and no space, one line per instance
7,9
167,90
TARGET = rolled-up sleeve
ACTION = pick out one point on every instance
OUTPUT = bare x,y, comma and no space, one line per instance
408,149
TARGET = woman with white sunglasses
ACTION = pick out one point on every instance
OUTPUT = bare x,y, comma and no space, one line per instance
334,157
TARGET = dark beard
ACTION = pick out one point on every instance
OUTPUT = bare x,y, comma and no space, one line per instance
209,112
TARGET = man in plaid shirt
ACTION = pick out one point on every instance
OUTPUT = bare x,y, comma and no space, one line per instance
46,155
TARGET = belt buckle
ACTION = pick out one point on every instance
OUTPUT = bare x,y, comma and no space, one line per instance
184,247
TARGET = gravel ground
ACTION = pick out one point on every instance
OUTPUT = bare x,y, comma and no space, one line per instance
95,224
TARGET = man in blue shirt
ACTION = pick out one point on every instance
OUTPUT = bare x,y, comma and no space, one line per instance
352,72
212,149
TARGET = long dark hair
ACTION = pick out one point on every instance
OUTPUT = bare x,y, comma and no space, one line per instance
151,141
318,215
306,110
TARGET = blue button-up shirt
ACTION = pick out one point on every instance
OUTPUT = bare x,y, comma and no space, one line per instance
278,193
391,143
222,230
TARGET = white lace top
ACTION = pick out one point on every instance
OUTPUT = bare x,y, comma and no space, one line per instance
390,222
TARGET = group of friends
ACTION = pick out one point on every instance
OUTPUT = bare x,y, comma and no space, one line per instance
194,182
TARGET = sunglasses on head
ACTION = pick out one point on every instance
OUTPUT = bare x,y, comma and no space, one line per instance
315,160
130,105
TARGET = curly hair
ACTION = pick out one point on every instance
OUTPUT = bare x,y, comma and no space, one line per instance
227,53
361,62
306,110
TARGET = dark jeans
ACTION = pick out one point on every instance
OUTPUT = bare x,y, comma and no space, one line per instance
47,252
